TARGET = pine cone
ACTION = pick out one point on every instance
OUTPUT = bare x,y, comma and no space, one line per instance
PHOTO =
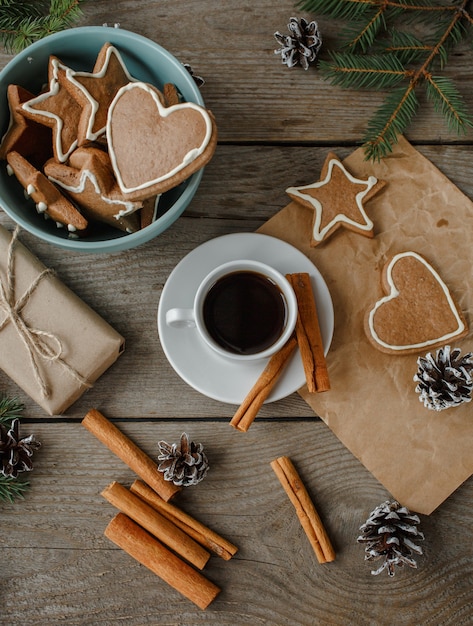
446,380
302,45
184,464
16,453
388,533
199,81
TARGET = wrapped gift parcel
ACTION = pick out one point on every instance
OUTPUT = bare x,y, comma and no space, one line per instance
52,344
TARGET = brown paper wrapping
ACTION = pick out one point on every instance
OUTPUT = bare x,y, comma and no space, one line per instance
89,344
420,456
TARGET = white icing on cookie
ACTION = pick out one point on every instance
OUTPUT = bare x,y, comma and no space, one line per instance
54,87
123,207
156,206
163,112
394,293
70,74
318,234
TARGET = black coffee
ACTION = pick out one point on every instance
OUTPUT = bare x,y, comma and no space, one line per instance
244,312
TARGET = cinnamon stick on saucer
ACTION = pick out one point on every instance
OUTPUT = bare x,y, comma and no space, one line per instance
308,334
308,517
254,400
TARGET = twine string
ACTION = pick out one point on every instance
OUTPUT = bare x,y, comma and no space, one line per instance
40,344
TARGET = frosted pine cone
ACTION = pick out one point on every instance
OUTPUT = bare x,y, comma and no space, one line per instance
302,45
445,380
199,81
16,453
389,532
184,464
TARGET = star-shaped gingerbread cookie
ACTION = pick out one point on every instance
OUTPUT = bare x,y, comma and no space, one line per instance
337,200
24,136
57,109
95,91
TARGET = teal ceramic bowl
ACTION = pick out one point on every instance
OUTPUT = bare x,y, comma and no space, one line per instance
78,49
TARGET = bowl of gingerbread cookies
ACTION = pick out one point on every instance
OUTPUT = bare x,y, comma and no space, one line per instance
103,139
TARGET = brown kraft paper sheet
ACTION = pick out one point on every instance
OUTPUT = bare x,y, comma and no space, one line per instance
420,456
89,345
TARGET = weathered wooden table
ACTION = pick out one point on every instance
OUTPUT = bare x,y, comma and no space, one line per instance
275,125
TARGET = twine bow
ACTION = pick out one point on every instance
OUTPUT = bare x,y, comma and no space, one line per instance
40,344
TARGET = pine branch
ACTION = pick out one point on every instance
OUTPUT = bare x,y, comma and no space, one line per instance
364,71
448,101
406,47
353,9
10,409
11,488
337,9
380,56
391,120
364,36
22,23
18,10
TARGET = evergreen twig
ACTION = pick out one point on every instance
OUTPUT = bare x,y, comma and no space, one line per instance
11,488
23,22
378,55
10,409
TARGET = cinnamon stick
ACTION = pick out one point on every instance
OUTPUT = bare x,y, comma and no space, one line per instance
129,453
155,523
308,334
199,532
254,400
148,551
308,516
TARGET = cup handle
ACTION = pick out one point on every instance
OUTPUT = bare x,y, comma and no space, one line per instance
180,318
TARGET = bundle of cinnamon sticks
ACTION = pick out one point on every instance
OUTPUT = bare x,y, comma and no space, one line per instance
309,340
159,535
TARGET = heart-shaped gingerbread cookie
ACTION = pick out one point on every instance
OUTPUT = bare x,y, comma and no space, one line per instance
153,147
418,311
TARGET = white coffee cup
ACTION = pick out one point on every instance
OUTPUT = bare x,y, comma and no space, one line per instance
268,304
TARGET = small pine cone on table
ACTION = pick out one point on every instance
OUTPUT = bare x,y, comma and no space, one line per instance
16,453
185,463
389,534
302,46
444,380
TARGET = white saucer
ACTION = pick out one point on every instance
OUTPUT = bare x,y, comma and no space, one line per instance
204,370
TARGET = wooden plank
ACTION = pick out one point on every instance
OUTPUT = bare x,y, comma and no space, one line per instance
253,96
59,566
